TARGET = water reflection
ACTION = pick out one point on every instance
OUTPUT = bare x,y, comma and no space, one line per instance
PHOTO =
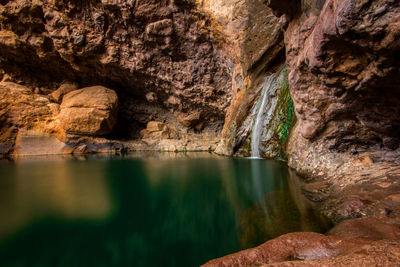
144,210
31,190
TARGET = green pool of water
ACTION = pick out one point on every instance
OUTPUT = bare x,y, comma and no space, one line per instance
145,210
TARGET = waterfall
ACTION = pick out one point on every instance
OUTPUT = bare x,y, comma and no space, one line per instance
263,112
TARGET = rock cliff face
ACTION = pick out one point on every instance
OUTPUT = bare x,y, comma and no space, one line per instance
343,66
265,129
344,70
253,38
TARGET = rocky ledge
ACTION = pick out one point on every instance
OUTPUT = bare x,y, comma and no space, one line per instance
356,242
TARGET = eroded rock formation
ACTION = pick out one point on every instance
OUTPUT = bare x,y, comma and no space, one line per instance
24,112
156,55
343,62
253,38
192,65
343,66
344,71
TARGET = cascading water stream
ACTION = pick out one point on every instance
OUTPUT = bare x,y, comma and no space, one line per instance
261,113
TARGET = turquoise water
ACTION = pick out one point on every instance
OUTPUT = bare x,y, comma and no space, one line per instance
144,210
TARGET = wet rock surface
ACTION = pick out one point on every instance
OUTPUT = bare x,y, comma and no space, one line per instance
275,119
180,62
251,35
373,243
369,228
343,67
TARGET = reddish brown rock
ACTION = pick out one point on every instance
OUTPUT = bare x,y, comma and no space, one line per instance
343,70
160,28
369,228
7,134
162,57
343,75
89,111
372,243
293,246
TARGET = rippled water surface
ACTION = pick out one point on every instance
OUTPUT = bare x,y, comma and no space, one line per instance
144,210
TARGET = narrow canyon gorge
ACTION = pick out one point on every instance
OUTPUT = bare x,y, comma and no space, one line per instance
314,83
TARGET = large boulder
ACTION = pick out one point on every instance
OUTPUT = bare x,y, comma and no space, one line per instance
89,111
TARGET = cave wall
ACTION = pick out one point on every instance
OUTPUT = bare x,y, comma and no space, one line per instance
140,46
158,56
344,62
184,70
198,67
